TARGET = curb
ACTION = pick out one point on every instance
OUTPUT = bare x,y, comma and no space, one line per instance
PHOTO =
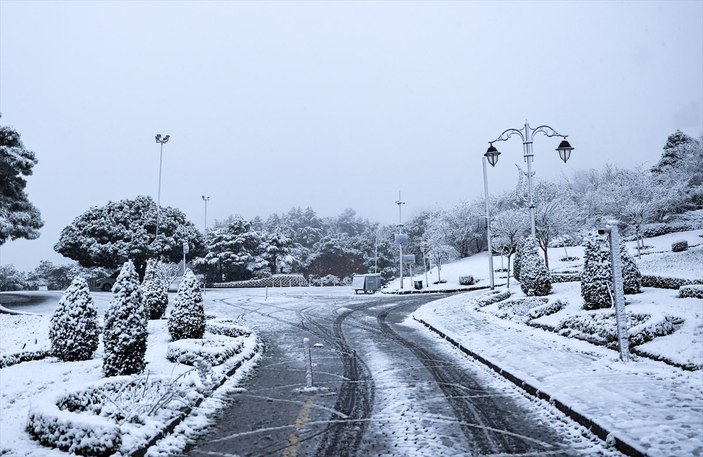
435,291
579,418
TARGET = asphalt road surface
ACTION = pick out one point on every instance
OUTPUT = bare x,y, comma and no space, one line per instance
380,387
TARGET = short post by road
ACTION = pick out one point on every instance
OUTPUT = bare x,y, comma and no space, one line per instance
308,363
619,288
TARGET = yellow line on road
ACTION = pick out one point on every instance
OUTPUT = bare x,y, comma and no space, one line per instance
303,417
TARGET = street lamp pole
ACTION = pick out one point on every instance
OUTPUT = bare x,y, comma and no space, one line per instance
205,200
488,226
399,202
527,134
161,141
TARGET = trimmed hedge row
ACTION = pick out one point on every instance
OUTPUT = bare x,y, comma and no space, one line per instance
691,291
214,349
8,360
662,282
566,277
491,297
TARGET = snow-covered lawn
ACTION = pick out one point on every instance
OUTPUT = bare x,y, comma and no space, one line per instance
654,406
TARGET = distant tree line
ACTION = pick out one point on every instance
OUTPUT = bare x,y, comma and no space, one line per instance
300,241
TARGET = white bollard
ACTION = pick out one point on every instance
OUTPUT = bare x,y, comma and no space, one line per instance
308,363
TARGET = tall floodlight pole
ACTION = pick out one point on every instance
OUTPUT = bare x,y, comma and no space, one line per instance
161,141
488,226
527,134
399,202
205,200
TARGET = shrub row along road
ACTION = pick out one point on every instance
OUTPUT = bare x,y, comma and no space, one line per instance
380,388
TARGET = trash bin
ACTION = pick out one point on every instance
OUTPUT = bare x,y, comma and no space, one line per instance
417,285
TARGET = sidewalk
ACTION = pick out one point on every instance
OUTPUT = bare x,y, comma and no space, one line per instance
645,407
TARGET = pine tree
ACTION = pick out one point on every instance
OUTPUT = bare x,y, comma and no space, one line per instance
126,320
596,277
517,267
154,294
534,276
74,331
631,276
187,320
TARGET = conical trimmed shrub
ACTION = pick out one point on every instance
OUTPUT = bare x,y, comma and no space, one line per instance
596,277
517,267
125,334
187,320
534,276
631,276
154,294
74,330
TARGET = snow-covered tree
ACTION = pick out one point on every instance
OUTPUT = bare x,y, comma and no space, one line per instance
19,218
555,214
632,278
74,332
534,276
276,247
12,279
509,227
596,277
187,320
108,236
126,320
233,250
54,277
154,293
517,262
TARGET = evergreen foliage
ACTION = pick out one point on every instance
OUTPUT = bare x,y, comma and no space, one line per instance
631,276
74,331
187,320
534,276
154,294
596,277
517,261
19,218
126,230
126,320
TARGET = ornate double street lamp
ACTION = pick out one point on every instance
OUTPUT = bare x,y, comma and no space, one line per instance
527,134
161,157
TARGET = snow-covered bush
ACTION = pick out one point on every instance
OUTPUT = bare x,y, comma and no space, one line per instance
491,297
187,320
596,278
94,419
546,309
154,293
662,282
631,276
534,276
126,320
74,330
565,277
518,309
517,266
692,291
601,327
70,431
679,246
467,280
214,349
227,327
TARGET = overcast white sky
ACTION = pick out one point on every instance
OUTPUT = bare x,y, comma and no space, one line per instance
331,105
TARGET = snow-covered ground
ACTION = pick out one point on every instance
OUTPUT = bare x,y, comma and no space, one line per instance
656,407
